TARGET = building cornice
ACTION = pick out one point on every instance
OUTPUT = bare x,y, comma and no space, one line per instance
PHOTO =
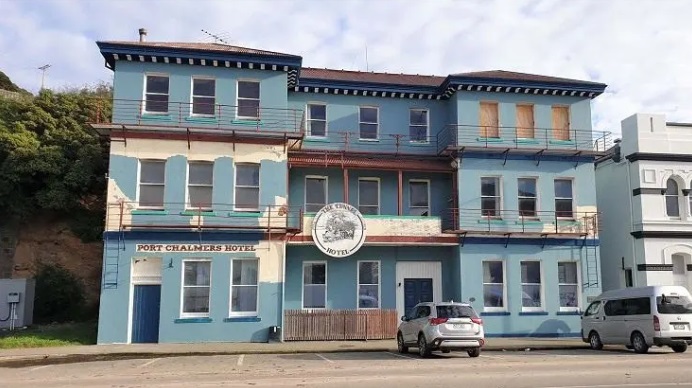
659,157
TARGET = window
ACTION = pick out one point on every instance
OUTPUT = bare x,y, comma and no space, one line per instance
631,306
680,304
315,193
490,120
525,122
455,311
593,309
419,191
563,198
561,129
369,196
531,290
568,286
151,183
369,123
422,312
672,203
196,285
317,120
244,282
247,186
156,94
368,284
418,125
203,96
248,99
527,197
314,285
493,285
200,184
490,196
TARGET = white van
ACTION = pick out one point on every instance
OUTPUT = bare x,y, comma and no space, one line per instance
640,317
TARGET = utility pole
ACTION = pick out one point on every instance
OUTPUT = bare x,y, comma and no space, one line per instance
43,73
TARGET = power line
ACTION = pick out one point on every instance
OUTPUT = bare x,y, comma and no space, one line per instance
43,73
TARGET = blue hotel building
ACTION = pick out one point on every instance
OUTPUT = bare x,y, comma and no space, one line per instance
251,198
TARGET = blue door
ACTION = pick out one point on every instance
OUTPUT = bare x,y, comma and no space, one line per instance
146,309
417,291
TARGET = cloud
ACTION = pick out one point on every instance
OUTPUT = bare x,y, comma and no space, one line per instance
639,48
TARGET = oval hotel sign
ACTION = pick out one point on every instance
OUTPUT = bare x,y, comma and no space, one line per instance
338,229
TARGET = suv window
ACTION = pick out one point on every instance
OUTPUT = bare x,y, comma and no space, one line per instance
412,314
632,306
593,309
423,311
674,304
456,311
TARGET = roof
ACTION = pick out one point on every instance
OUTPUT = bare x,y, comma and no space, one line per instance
209,47
515,76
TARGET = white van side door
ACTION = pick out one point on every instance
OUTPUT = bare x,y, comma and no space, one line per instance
592,319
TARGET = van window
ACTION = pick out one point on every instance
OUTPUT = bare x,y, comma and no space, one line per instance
593,309
667,304
455,311
631,306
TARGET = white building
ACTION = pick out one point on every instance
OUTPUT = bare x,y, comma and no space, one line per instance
646,209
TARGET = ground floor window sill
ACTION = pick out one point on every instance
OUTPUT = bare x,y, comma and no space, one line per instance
568,313
193,320
533,313
243,319
494,313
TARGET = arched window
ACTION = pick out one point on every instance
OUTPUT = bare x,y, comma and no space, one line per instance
672,202
689,194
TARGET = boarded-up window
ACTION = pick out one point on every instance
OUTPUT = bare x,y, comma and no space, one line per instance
489,120
561,123
525,124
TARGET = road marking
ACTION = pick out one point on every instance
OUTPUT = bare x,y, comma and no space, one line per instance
240,359
493,357
625,385
402,356
324,358
146,364
40,367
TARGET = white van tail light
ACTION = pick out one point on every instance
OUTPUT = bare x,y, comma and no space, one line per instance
657,324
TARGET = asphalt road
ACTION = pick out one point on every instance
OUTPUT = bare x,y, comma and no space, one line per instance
554,369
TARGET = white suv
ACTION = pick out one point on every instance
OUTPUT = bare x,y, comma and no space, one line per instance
442,326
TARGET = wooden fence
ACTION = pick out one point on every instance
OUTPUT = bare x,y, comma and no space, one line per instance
334,325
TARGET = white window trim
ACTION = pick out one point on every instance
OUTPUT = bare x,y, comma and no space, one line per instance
144,94
182,288
360,121
237,98
379,285
188,203
679,196
505,306
538,209
427,125
379,191
542,288
302,285
231,313
427,181
139,183
574,207
499,196
308,119
578,284
235,186
305,194
192,95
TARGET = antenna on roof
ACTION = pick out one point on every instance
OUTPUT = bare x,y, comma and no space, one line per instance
43,73
366,57
216,37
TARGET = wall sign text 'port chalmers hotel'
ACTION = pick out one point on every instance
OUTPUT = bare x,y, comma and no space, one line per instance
195,248
338,229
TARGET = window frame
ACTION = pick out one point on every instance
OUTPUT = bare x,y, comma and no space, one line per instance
238,98
410,200
305,194
536,199
188,202
309,119
496,127
302,284
182,288
556,198
505,306
677,196
144,110
541,308
235,187
255,313
427,125
568,107
379,193
578,284
379,284
139,184
192,95
498,196
360,122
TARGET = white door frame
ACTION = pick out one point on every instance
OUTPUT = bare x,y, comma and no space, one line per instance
417,269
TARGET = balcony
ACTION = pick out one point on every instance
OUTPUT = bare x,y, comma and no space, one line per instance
217,120
122,216
386,143
458,138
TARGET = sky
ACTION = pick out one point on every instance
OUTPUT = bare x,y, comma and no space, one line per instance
640,48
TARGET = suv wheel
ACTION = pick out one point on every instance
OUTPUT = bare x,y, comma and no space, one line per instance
475,352
639,343
679,348
400,345
423,349
595,341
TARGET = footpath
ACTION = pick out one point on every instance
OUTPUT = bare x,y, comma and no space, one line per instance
72,354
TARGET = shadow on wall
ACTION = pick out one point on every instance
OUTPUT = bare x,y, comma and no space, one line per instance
553,328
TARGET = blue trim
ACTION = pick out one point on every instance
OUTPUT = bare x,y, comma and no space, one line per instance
248,123
495,313
369,86
316,139
528,313
243,319
567,158
202,119
203,213
568,313
576,242
490,140
529,222
193,320
250,214
185,236
527,141
144,212
419,144
561,142
492,221
156,117
456,80
533,335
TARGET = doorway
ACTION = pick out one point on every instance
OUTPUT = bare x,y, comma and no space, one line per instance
680,273
146,310
417,281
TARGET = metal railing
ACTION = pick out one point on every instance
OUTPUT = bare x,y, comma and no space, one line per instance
491,221
353,142
455,136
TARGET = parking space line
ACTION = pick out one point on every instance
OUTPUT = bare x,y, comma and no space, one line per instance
324,358
240,360
146,364
402,356
40,367
493,357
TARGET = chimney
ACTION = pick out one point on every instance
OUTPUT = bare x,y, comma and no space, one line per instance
142,34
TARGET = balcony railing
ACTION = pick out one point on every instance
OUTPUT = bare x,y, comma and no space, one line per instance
205,116
384,143
455,137
502,222
180,216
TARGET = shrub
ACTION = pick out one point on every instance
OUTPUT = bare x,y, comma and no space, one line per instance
59,294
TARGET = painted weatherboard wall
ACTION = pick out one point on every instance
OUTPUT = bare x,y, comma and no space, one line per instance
115,311
513,322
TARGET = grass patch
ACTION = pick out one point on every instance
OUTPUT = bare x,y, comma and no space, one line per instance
83,333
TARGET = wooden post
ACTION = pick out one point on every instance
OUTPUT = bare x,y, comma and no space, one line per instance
400,198
346,185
